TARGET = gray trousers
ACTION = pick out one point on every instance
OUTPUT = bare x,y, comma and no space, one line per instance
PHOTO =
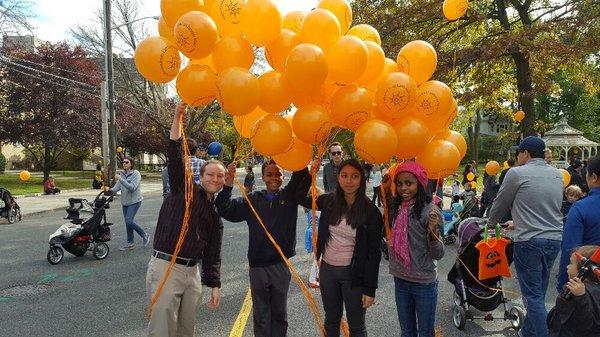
336,291
269,287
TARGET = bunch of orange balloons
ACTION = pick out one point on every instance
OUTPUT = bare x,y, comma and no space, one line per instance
334,73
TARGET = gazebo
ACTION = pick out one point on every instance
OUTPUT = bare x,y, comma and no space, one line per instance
566,142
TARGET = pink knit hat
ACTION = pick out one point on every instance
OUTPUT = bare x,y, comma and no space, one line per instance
416,169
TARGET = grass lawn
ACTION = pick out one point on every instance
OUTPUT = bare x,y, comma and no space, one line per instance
35,184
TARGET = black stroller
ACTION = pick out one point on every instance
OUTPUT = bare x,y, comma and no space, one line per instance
88,230
470,292
9,208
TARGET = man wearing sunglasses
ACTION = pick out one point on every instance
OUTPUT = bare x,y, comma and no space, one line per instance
331,169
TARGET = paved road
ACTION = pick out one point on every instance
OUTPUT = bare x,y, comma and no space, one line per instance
85,297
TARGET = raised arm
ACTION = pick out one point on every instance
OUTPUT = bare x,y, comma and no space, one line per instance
175,165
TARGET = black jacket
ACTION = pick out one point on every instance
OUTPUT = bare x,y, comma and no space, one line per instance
279,216
577,317
367,253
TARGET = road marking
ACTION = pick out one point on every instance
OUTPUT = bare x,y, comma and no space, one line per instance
237,330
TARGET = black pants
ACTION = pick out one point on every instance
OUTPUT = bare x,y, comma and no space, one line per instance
52,191
269,287
377,195
336,290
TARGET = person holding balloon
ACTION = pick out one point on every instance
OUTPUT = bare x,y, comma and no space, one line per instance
348,248
413,249
278,209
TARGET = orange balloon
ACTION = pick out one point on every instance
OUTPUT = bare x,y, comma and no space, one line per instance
351,106
312,124
376,113
172,10
271,135
375,141
157,59
244,124
165,31
365,33
24,175
320,27
455,9
446,120
519,116
238,91
396,94
196,34
440,158
418,59
389,66
227,15
289,118
492,168
375,64
470,176
296,157
306,67
413,137
261,22
274,93
293,21
196,85
341,9
434,100
208,5
347,59
566,177
277,52
232,52
455,138
302,98
207,61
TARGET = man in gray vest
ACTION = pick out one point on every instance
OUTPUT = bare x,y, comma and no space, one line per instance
331,169
533,192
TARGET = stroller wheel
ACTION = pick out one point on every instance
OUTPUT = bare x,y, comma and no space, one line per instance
517,315
450,239
55,255
12,215
457,299
459,317
101,251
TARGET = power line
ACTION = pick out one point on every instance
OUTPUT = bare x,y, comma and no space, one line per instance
95,77
6,61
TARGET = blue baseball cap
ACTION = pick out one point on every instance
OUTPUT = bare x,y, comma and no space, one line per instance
532,145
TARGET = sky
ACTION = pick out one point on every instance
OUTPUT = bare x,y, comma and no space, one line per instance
55,17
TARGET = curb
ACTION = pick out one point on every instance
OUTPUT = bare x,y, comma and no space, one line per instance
20,196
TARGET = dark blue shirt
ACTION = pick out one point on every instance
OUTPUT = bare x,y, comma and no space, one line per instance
582,228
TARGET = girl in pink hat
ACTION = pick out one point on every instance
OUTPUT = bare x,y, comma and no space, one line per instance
413,249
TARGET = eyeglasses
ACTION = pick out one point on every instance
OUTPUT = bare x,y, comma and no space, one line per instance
336,153
126,162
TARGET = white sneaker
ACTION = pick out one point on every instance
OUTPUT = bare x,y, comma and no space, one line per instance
127,246
146,240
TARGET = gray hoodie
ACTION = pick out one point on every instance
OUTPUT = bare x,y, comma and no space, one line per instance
129,185
423,251
533,192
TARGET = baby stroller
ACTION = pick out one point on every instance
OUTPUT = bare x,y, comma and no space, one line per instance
9,208
88,230
486,295
451,220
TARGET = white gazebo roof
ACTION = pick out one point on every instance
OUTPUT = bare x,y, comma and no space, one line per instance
564,135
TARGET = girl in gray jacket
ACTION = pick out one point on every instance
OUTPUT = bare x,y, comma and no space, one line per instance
128,182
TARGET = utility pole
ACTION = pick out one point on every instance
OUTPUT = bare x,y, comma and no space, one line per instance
105,151
111,166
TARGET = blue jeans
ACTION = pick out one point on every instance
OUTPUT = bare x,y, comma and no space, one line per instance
129,213
533,262
416,303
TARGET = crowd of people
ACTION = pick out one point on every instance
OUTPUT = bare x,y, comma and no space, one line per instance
547,220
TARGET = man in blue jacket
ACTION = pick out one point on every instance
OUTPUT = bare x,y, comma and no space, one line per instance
269,276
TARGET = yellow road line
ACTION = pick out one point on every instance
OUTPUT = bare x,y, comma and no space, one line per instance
237,330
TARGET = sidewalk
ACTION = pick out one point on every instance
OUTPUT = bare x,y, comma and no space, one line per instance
44,203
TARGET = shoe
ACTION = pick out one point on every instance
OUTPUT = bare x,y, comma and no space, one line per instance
313,285
146,240
127,246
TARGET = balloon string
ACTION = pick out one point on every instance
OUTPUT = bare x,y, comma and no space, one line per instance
188,196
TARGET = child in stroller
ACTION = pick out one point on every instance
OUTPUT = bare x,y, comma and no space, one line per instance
486,295
88,230
9,208
451,220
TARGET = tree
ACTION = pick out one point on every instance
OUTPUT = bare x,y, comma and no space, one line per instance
52,101
533,38
14,16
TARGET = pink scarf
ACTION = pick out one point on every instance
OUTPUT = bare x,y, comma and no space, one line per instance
399,242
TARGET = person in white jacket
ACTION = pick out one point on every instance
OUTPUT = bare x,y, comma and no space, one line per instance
128,182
